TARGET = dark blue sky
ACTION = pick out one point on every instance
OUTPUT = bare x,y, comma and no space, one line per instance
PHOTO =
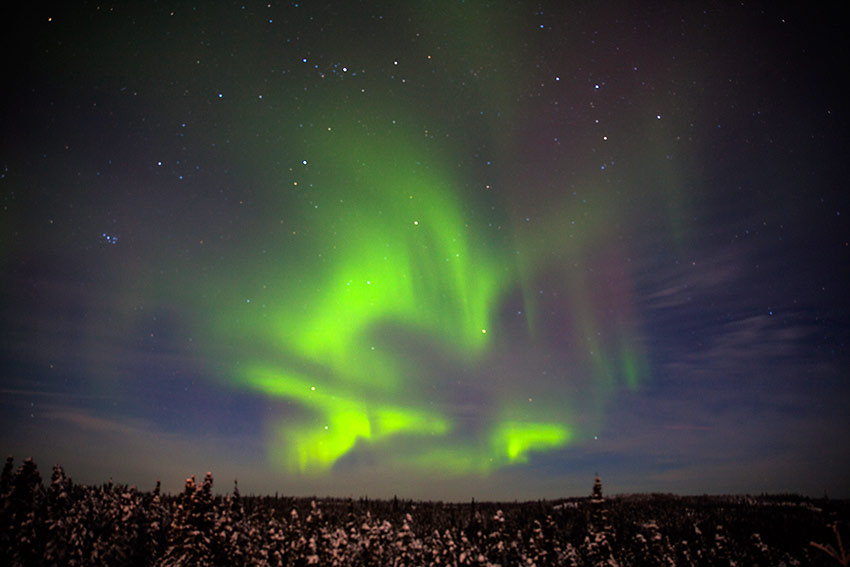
640,210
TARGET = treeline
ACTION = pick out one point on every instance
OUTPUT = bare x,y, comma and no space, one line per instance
65,524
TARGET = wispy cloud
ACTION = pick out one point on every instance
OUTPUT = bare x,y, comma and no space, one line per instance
682,282
745,345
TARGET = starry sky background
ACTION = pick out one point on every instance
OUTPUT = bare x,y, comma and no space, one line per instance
438,249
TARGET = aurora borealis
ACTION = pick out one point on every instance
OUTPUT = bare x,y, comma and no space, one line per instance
393,260
449,250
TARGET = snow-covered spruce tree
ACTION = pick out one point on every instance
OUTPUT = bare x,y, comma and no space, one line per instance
660,546
79,523
132,524
315,526
760,554
471,541
352,528
364,530
386,536
101,522
154,536
541,546
381,539
59,522
231,542
697,546
718,554
683,554
342,545
189,537
408,547
596,496
26,508
433,549
335,544
450,549
498,541
470,554
252,531
597,547
559,551
650,548
537,551
285,543
294,541
113,526
272,552
570,557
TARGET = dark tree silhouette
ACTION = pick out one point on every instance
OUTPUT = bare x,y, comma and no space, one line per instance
75,525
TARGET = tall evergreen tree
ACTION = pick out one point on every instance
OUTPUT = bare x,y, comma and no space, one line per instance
189,538
26,515
597,545
60,521
408,548
230,538
112,542
154,536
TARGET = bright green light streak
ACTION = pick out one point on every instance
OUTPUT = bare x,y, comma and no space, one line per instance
315,447
392,421
341,420
514,439
510,443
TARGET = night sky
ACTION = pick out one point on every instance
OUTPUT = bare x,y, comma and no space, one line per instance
435,249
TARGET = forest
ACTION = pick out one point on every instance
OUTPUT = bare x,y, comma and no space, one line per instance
60,523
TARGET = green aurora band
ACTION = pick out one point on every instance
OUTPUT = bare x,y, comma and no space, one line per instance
391,254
